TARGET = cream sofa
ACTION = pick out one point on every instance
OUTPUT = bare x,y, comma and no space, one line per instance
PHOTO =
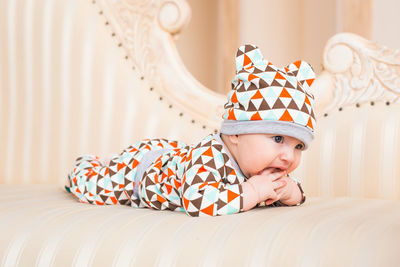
93,77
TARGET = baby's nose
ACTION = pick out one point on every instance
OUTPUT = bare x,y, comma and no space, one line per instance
287,154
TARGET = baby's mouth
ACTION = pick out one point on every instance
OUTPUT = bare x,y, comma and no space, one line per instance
273,170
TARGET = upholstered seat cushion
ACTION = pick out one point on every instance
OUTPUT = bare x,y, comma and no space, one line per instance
42,224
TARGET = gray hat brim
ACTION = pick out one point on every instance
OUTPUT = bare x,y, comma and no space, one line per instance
302,133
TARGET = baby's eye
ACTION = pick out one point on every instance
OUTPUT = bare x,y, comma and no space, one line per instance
278,139
300,146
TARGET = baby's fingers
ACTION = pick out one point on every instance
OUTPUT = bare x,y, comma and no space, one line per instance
277,184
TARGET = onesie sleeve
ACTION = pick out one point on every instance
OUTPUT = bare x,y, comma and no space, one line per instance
210,186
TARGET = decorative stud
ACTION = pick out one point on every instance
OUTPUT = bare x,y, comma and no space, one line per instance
387,103
142,78
106,23
101,12
181,114
193,121
358,105
160,98
151,88
340,109
326,115
204,126
126,57
113,34
170,106
372,103
120,44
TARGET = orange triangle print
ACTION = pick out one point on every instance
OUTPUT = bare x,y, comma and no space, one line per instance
297,64
160,199
135,163
256,117
201,169
231,115
185,203
309,123
234,98
310,81
169,188
286,116
279,76
114,200
216,184
208,152
307,101
231,195
246,60
120,166
209,210
252,77
257,95
285,93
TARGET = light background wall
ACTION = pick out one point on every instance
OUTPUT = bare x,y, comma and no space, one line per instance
285,31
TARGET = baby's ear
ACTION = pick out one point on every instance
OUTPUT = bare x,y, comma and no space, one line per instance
247,56
303,72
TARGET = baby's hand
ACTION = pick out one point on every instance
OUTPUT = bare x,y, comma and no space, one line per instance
289,194
262,187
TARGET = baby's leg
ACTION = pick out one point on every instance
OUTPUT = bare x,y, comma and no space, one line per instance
94,183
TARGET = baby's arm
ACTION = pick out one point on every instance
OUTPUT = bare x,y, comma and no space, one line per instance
262,188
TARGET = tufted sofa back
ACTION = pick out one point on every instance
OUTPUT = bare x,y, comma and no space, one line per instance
356,151
92,77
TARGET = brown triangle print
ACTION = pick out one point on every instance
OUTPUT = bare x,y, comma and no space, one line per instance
292,105
228,170
248,48
264,105
269,69
210,177
211,164
117,193
289,85
104,198
197,202
305,109
241,88
218,147
251,107
278,104
255,71
275,83
197,180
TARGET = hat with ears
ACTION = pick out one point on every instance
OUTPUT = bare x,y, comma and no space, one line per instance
271,100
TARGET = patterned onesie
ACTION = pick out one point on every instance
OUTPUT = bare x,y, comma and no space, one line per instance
201,180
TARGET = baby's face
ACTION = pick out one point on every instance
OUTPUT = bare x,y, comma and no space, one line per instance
257,152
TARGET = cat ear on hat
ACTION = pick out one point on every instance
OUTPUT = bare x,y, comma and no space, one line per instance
303,72
247,56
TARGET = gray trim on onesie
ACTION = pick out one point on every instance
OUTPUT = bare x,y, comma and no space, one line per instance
144,164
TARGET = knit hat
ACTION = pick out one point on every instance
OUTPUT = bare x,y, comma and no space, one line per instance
268,99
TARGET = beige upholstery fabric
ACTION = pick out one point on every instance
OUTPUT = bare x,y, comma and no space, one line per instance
41,225
356,152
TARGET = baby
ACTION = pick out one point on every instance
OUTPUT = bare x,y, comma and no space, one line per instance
268,122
